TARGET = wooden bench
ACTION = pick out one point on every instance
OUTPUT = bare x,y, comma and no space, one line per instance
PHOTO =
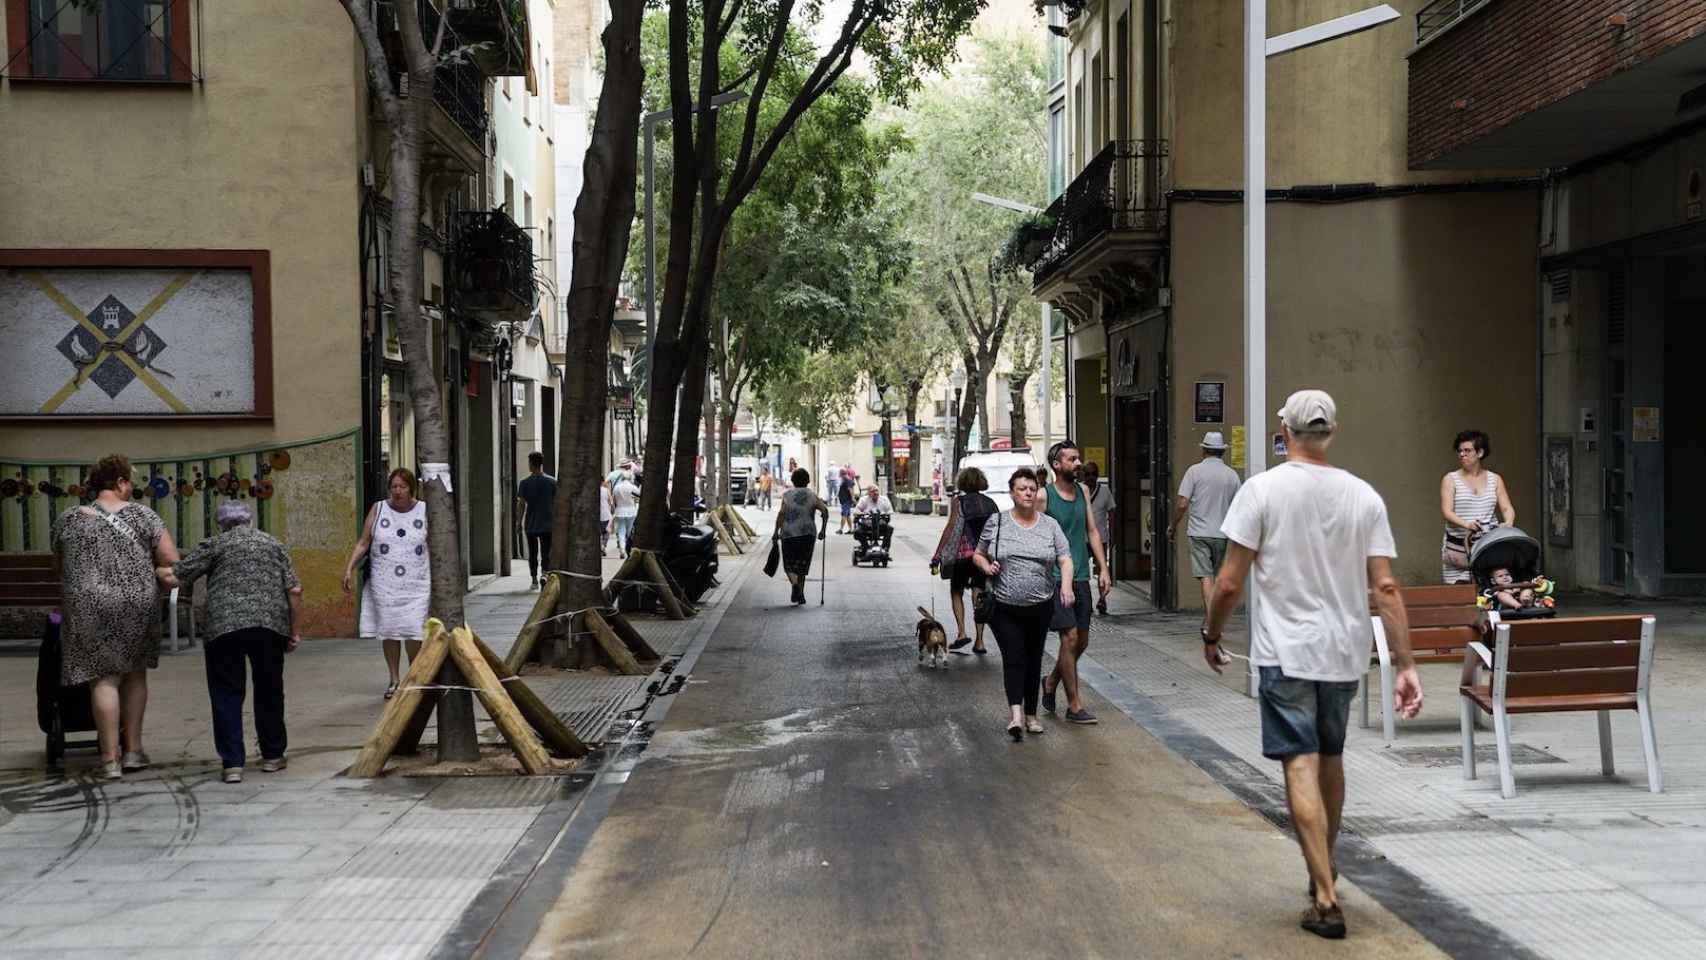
29,589
1553,666
30,586
1443,622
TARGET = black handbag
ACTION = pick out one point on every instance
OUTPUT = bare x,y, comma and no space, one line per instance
772,562
983,601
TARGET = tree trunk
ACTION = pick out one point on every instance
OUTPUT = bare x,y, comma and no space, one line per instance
914,460
604,213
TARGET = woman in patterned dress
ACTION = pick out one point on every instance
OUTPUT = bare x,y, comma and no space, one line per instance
1471,499
113,555
399,580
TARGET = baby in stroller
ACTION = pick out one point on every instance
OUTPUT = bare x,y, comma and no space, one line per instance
1506,564
1507,594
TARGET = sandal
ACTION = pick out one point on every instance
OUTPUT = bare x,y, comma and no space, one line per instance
980,651
1033,726
1017,732
391,690
957,644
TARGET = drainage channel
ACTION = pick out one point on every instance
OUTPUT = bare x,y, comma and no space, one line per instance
504,916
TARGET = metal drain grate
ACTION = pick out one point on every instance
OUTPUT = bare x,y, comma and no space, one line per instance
1485,753
589,704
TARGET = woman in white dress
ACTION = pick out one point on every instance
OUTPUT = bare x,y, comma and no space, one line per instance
399,574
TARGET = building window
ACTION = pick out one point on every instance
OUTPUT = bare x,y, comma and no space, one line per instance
527,210
509,196
1057,46
113,40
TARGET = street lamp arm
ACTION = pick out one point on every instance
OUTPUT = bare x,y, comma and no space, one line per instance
1330,30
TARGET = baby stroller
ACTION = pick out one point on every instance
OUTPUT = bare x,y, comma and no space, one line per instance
872,535
1509,548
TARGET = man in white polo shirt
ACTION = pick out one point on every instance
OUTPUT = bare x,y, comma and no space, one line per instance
1317,537
1204,495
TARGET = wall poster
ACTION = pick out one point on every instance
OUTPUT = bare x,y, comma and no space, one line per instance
1559,520
1211,401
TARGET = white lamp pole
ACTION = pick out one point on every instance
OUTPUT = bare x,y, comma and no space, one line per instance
1257,49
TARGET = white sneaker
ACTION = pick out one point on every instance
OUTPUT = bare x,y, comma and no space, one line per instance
111,770
232,775
274,765
135,761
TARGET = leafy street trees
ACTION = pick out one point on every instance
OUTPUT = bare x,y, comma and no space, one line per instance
900,39
981,131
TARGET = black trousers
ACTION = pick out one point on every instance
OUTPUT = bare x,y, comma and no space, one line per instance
225,657
538,552
1020,632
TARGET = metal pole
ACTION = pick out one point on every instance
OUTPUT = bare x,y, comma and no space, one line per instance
1047,398
651,255
1255,262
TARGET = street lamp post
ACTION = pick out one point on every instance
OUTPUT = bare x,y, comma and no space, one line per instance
1258,47
954,415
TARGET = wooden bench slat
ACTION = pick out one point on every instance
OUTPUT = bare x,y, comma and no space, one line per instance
1567,682
1442,616
1443,638
1483,698
28,592
1455,595
1576,630
1574,656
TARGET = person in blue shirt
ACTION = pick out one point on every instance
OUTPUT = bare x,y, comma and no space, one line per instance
535,500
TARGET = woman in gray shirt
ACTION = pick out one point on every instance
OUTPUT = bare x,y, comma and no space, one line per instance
796,527
1019,552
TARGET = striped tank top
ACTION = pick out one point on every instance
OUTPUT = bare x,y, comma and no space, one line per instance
1469,505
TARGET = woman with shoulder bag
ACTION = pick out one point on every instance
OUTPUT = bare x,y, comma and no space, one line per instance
1019,552
1473,500
968,512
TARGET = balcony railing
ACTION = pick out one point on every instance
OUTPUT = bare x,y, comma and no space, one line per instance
1118,191
496,30
491,266
1440,14
460,90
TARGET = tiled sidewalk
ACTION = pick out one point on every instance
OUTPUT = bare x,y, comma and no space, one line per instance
1575,866
304,863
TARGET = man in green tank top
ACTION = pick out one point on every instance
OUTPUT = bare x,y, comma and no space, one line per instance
1069,505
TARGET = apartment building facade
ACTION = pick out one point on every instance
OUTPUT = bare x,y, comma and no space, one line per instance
1388,286
199,280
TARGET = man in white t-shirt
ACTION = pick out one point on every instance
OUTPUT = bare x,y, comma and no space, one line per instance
1317,537
1205,492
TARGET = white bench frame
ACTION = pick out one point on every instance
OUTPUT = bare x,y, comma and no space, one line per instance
172,623
1478,656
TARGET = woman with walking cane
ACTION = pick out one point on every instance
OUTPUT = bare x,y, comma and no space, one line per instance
796,531
1019,552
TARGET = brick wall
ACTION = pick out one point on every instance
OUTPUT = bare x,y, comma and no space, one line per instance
1516,56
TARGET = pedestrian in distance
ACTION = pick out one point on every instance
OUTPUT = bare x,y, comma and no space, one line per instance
536,501
968,511
624,506
797,529
1020,551
1473,500
606,516
845,495
1068,502
1205,492
112,556
1101,510
765,484
254,614
1316,537
399,573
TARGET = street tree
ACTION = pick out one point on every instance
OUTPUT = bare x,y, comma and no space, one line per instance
604,215
403,93
900,41
979,131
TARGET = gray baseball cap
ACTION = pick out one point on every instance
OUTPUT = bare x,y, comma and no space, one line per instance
1309,411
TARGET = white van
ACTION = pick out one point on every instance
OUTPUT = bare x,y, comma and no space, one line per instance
997,467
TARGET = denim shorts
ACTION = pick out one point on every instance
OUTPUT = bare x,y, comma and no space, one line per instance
1303,716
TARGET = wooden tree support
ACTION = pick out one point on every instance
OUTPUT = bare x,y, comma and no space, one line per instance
715,519
559,739
642,566
737,523
527,724
543,609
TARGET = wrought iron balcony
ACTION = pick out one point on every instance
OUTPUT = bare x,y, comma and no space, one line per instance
1440,14
491,267
1119,192
460,91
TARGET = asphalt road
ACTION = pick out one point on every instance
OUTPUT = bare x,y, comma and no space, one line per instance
816,793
